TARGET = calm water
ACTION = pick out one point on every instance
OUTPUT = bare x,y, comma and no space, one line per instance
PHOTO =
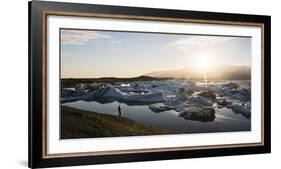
225,119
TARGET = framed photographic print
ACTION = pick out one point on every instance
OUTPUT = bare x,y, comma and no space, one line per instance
112,84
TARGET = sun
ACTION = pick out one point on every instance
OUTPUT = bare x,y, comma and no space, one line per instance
203,63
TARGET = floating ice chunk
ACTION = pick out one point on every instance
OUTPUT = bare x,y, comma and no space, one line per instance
203,114
198,101
185,91
75,98
147,98
191,100
222,101
125,85
243,109
82,88
206,94
159,107
230,86
179,99
110,91
243,95
68,92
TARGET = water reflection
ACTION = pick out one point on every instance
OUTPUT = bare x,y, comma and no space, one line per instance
224,120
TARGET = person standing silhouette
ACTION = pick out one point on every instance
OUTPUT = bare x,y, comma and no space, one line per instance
119,110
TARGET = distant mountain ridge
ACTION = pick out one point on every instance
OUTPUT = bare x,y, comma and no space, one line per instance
223,72
71,82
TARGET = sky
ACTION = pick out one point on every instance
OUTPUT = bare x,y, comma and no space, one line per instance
95,53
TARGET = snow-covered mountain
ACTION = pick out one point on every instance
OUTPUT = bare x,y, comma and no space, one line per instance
226,72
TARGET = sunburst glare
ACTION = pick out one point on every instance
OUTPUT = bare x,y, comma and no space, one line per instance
203,64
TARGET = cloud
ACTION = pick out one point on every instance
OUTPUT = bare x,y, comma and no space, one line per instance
80,37
198,41
115,42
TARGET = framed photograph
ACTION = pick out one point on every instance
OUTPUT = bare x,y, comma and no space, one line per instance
111,84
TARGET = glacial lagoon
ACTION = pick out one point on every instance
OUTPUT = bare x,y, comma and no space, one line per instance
170,114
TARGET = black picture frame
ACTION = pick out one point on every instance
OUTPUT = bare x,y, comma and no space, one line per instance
37,11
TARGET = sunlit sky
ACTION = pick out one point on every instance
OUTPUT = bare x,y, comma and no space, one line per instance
93,54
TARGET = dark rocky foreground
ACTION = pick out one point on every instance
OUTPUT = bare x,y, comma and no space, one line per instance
77,123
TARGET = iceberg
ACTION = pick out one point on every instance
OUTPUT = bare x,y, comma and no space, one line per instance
188,98
68,92
198,101
145,98
207,94
159,107
110,93
243,109
203,114
230,86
